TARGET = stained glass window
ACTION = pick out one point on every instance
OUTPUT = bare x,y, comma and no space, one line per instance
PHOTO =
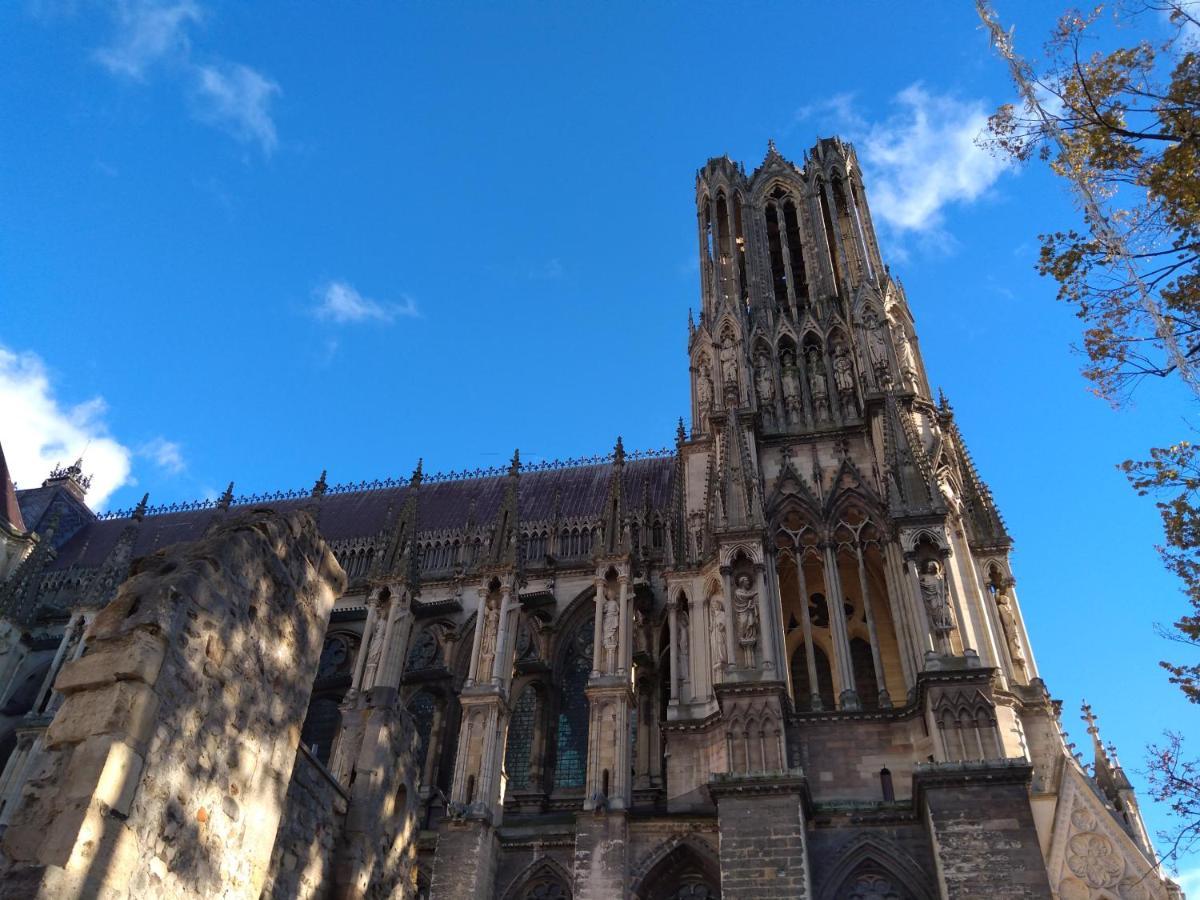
571,760
422,709
520,739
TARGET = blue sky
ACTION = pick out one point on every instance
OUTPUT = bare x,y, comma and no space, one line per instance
252,241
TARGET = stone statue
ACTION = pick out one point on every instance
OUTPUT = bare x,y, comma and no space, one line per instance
612,620
745,611
684,624
791,387
374,649
933,592
639,632
717,646
764,384
487,642
843,369
1012,634
876,340
904,350
729,373
818,382
704,388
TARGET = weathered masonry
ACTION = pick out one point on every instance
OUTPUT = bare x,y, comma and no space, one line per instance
784,658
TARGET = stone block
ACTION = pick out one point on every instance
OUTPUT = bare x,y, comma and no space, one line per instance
124,708
136,656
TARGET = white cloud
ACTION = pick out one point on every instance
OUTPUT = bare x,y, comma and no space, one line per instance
339,302
238,99
38,431
224,94
146,32
921,159
167,455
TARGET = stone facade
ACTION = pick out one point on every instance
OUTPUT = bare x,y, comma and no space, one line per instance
783,658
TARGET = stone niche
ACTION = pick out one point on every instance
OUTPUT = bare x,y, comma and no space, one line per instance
168,763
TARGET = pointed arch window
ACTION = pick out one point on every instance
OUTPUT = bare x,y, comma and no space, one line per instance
863,666
519,750
571,740
801,687
422,709
775,251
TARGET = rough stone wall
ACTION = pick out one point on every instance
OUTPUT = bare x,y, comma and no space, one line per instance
763,848
983,835
306,842
838,843
842,760
601,856
465,865
170,758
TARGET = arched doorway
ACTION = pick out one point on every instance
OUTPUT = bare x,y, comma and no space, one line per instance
686,872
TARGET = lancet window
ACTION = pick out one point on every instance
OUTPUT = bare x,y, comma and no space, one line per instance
519,751
571,739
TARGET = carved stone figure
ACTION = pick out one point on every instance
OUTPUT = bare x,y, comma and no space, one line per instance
764,384
639,632
818,383
876,340
487,641
1008,621
904,350
612,620
792,403
704,388
717,646
729,373
375,649
685,645
933,592
843,369
745,611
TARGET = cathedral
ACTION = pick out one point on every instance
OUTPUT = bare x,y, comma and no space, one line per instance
783,658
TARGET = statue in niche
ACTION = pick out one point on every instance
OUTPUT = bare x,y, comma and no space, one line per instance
793,405
728,351
818,382
876,340
904,350
745,611
1012,634
374,650
717,645
843,369
764,384
933,592
704,389
946,487
487,642
684,624
639,632
610,625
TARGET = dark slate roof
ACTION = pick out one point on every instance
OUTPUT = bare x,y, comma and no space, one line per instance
442,506
10,510
40,506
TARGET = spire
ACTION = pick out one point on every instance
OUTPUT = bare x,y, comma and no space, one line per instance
10,510
506,530
514,467
417,476
139,511
680,433
319,489
616,534
619,453
71,477
226,499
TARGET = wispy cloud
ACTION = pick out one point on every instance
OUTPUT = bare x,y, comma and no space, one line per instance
339,302
147,31
228,95
38,430
921,159
167,455
238,99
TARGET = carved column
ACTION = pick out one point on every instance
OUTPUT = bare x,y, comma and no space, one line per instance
501,665
730,619
907,635
766,630
392,666
480,616
598,629
673,639
885,699
806,624
848,697
360,661
624,650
